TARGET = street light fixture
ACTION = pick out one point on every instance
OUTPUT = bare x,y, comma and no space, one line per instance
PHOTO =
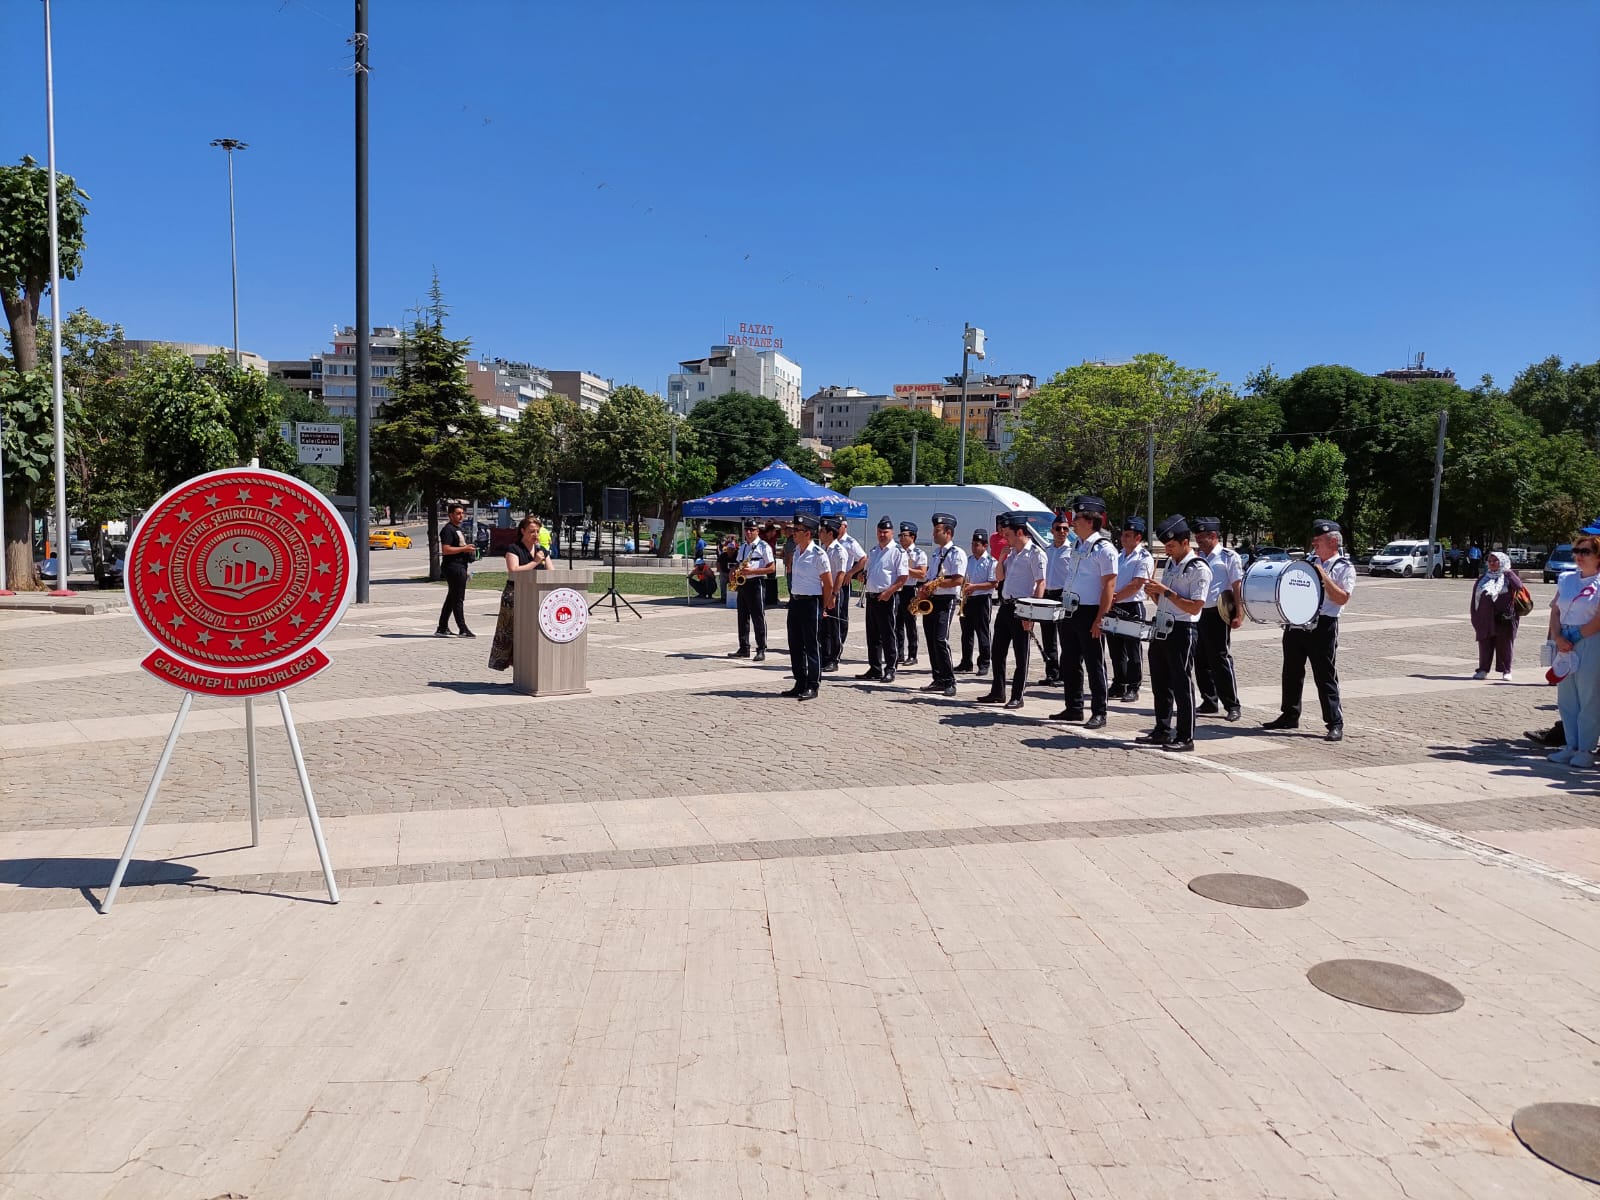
971,344
230,145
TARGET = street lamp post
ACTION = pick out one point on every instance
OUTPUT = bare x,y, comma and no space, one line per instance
230,145
971,344
63,542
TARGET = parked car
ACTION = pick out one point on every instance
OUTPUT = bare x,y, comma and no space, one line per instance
1267,554
1559,563
1407,559
388,539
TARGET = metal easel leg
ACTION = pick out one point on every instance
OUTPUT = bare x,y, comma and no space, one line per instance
149,799
250,758
305,790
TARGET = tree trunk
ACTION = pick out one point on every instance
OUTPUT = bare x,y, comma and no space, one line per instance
671,518
430,505
19,548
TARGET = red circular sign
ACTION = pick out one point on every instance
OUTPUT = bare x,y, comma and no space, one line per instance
240,570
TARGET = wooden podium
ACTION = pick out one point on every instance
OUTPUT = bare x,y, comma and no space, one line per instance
550,642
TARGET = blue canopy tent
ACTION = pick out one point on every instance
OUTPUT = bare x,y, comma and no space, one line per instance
775,493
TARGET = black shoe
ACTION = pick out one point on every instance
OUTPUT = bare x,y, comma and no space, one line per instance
1131,697
1117,694
738,654
1283,722
1336,734
991,698
1154,738
760,656
1233,713
1208,709
791,692
935,686
465,633
888,676
808,694
1049,681
964,668
1098,721
1017,703
1179,747
1067,714
983,668
441,633
830,668
870,675
949,689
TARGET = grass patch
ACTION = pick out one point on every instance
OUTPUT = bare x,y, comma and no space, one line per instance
631,583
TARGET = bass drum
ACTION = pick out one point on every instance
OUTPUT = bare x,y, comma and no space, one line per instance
1283,593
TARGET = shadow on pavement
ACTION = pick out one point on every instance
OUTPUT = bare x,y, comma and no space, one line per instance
474,687
80,873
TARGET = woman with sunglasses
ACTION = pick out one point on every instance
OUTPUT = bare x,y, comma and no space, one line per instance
1575,626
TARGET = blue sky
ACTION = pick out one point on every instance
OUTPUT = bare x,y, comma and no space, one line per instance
613,186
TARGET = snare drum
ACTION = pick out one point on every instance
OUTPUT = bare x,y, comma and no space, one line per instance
1145,631
1283,593
1030,609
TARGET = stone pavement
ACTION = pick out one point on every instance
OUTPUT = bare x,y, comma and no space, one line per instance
682,937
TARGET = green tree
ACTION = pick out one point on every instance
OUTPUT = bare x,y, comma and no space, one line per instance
889,434
254,411
1225,476
24,279
631,428
1565,488
670,484
182,418
434,440
1303,485
547,444
1559,397
1087,429
859,466
742,434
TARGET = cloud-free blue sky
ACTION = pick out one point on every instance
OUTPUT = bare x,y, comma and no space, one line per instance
614,186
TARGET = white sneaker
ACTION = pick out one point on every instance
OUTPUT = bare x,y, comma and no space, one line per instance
1480,674
1581,759
1563,755
1505,677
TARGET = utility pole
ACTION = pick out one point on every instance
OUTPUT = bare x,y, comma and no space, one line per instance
913,456
63,540
971,344
230,145
1150,480
363,325
1438,479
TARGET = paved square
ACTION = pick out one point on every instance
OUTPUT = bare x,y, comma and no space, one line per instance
682,937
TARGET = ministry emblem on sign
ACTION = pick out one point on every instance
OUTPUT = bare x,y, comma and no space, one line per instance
243,570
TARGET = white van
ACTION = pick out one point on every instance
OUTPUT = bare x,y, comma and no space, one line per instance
1406,559
973,505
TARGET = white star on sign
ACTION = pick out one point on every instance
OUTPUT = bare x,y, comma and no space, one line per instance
155,567
212,500
297,620
317,539
300,517
315,596
163,539
177,620
236,642
185,515
244,494
275,500
269,637
161,596
322,568
203,638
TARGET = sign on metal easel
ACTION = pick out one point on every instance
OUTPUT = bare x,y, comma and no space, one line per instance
236,576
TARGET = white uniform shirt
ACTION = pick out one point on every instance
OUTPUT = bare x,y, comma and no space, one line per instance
852,549
808,569
1140,564
838,560
755,554
1024,568
885,566
980,569
1189,578
917,557
946,560
1092,561
1227,568
1057,566
1343,572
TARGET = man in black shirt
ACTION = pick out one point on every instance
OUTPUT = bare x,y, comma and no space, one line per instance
457,554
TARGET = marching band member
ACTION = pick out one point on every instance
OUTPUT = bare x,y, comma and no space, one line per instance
884,572
831,637
947,570
810,592
977,596
905,625
1020,576
1213,661
1181,592
1321,644
854,553
756,559
1134,565
1091,580
1057,567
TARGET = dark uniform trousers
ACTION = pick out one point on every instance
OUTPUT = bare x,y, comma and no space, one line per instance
1321,646
830,643
1010,635
1127,658
847,599
1172,680
805,655
1082,654
905,624
975,627
752,611
936,627
880,633
1049,639
1213,663
455,596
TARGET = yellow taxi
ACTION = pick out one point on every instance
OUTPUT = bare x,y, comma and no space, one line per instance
388,539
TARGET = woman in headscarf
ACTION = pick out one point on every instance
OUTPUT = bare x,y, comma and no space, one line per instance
1495,616
524,554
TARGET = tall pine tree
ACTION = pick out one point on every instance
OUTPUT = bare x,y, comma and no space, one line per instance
433,437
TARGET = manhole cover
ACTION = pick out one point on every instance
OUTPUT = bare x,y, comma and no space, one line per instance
1248,891
1564,1135
1384,985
